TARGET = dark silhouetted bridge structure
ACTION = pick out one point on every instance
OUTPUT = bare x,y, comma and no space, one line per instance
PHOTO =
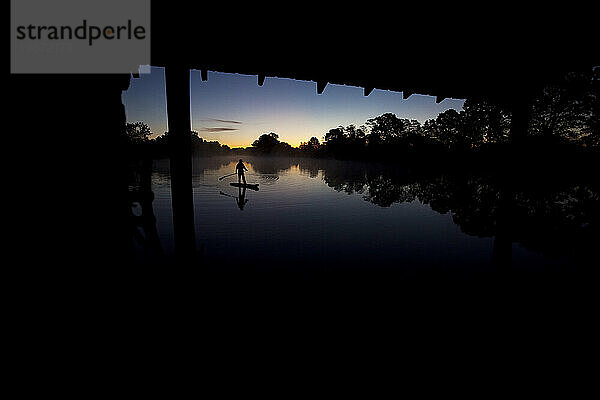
504,56
448,51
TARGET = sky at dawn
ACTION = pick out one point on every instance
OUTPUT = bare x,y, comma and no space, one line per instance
234,110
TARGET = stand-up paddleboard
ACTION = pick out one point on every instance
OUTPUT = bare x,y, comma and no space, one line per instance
253,186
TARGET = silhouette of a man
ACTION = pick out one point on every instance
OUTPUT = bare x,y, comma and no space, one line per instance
240,168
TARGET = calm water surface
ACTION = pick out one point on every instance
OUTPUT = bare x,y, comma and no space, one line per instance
323,213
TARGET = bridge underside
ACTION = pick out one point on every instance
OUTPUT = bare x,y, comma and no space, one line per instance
445,52
502,56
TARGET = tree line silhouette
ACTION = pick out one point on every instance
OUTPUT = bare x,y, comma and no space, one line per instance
565,114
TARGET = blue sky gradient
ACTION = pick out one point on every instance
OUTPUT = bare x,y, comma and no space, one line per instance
234,110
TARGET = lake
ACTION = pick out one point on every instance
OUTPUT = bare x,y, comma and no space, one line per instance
331,214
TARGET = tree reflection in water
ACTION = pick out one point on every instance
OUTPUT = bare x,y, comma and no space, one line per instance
556,216
546,207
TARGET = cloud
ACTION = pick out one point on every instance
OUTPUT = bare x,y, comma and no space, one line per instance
225,121
217,129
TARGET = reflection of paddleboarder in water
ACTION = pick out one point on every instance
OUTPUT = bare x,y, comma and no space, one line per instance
241,199
240,168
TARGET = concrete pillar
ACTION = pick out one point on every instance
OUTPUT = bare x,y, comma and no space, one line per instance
177,78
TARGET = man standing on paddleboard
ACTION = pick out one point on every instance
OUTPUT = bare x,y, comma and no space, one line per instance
240,168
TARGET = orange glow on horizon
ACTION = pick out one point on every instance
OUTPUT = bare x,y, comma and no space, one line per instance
233,146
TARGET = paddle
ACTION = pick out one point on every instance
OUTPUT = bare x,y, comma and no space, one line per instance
226,176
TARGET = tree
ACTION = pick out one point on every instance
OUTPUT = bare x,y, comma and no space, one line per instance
314,143
388,129
355,136
312,146
485,122
568,109
448,129
346,141
266,143
335,136
385,129
137,132
591,131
